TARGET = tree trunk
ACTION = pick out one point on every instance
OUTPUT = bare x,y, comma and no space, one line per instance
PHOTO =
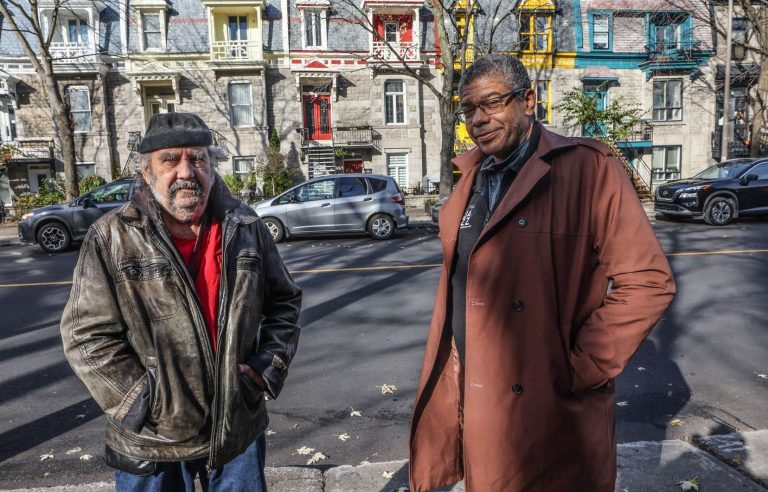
446,148
62,127
760,106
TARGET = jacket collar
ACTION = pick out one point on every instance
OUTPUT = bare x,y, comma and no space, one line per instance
144,209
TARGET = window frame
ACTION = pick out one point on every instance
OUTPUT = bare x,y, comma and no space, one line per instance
359,179
319,23
72,111
80,26
394,95
251,167
532,34
397,31
666,108
142,32
232,105
658,172
404,166
547,100
593,30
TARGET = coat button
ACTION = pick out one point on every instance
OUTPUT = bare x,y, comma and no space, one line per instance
522,222
518,305
517,389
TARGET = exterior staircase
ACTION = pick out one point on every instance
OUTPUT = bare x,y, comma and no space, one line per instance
642,186
321,160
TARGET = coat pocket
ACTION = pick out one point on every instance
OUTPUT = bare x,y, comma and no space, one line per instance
150,285
248,289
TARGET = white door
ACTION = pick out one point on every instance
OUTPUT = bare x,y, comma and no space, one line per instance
36,176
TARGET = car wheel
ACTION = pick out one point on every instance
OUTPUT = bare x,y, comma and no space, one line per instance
275,229
54,237
720,211
381,226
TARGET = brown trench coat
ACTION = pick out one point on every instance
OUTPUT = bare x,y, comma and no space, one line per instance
545,335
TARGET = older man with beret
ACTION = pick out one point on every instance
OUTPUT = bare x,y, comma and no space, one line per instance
182,317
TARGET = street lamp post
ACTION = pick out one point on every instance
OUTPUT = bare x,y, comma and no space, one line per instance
727,85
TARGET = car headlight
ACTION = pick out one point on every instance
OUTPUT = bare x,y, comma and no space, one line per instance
26,216
695,188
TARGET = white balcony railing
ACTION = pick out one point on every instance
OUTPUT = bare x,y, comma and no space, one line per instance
72,52
235,50
407,51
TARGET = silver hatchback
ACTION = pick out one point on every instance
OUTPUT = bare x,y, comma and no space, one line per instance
339,203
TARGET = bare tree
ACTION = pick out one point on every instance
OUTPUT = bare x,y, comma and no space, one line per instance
457,45
24,19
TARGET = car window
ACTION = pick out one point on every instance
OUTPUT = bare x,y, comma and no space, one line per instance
117,192
319,190
723,170
761,170
378,184
351,187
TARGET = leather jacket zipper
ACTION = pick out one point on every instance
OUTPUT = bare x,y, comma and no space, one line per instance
229,230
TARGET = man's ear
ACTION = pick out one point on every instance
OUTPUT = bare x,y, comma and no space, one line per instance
530,102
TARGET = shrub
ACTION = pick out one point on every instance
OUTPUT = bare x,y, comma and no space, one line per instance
90,182
234,183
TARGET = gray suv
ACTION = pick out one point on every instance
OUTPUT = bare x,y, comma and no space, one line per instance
339,203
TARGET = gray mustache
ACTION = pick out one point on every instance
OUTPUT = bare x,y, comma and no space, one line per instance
184,184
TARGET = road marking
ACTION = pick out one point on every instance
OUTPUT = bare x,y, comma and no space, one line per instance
406,267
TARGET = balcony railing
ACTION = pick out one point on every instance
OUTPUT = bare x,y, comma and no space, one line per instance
72,52
407,51
673,51
235,50
346,136
641,132
736,148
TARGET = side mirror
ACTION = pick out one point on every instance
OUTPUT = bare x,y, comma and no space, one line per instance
744,181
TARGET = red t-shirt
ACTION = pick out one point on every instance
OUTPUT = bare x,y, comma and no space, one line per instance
209,274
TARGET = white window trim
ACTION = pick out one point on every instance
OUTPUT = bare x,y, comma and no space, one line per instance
682,101
161,13
250,97
79,88
397,31
323,29
405,103
405,158
252,160
664,169
80,22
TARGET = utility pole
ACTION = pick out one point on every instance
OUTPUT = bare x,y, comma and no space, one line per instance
727,85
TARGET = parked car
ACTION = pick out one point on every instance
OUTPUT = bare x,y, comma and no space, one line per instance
338,203
434,210
54,227
719,194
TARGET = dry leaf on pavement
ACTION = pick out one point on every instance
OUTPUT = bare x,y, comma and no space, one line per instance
622,403
305,450
388,474
81,416
270,432
343,437
641,368
48,456
690,484
365,462
355,413
86,457
676,423
74,451
295,427
763,376
316,458
387,389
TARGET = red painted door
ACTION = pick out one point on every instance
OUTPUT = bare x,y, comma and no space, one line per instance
317,117
353,166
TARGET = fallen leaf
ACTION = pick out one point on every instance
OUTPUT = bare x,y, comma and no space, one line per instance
343,437
295,427
622,403
763,376
305,450
387,389
81,416
316,458
355,413
48,456
736,461
365,462
270,432
86,457
74,451
676,423
690,484
388,474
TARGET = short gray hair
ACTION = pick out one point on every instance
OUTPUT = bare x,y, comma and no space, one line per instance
509,69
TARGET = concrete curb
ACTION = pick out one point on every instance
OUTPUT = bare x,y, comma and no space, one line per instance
642,466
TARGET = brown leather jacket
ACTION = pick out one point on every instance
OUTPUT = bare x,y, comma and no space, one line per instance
133,331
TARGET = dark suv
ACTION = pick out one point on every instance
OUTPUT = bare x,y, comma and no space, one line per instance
719,194
54,227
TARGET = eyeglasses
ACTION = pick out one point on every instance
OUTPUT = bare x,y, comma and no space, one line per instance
492,105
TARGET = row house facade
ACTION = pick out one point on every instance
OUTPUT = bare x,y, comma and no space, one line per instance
334,78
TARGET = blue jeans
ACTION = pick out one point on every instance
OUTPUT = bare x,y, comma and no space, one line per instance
245,473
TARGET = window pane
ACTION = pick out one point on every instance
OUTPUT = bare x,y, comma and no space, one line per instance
78,100
400,109
83,33
243,21
393,86
600,41
601,23
674,93
151,22
239,93
673,157
541,42
320,190
390,32
390,110
351,187
541,24
82,121
72,31
151,40
658,158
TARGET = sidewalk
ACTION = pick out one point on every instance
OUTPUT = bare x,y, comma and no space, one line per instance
721,463
9,234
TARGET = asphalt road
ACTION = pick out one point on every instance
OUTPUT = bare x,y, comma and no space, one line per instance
364,325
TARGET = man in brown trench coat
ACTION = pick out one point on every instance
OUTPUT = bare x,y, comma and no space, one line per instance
552,279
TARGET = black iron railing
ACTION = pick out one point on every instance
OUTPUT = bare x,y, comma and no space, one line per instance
641,132
673,51
345,136
736,148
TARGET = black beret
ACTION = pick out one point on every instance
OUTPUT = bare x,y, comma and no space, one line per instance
168,130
